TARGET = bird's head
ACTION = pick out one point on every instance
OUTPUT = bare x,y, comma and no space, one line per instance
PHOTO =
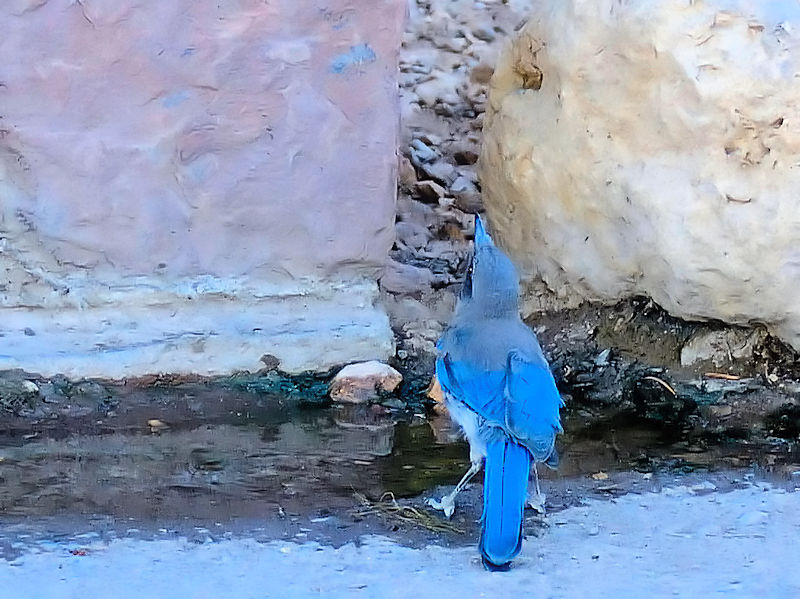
491,286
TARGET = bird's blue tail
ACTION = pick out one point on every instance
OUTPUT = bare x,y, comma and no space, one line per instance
505,490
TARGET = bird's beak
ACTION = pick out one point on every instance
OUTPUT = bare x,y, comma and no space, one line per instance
481,236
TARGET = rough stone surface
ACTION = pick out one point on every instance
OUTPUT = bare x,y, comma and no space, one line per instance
358,383
651,149
185,186
446,59
16,392
721,346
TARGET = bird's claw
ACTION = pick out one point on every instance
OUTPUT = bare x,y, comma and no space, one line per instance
536,501
446,504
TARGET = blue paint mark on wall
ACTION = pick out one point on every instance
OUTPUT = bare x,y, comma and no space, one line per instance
173,100
358,55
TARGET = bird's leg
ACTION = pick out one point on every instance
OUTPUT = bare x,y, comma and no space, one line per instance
448,502
536,499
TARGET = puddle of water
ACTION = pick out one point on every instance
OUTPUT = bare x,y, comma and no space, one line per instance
220,456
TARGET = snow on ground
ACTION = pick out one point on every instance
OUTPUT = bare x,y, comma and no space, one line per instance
682,542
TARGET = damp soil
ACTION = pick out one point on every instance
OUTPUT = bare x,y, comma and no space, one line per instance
203,460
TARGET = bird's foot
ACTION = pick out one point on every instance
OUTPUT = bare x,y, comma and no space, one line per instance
447,504
536,501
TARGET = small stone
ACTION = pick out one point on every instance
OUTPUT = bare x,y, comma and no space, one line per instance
421,152
416,67
428,138
429,191
469,173
90,390
30,387
462,184
441,172
157,426
412,235
603,358
469,202
362,382
402,279
435,92
406,174
720,411
452,44
465,156
271,363
417,212
703,488
482,73
393,402
484,34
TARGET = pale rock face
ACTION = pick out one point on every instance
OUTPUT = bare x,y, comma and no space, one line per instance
721,347
358,383
652,148
185,186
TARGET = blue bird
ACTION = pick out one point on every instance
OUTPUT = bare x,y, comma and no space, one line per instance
498,387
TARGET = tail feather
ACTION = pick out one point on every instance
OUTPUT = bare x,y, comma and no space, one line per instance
505,490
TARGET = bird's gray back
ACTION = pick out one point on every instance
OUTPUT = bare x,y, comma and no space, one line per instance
486,344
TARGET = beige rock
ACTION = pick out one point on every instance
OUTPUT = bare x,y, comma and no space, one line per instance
406,176
651,149
358,383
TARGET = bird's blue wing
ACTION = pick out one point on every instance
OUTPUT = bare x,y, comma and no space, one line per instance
532,403
478,389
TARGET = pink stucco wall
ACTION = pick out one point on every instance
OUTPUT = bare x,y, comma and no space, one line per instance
239,147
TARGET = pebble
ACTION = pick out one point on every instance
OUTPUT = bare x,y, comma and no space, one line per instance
399,278
469,201
484,34
422,152
466,156
429,191
440,171
406,174
412,235
363,381
462,184
721,411
603,358
481,74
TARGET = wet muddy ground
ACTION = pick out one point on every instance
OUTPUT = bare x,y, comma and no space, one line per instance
209,461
